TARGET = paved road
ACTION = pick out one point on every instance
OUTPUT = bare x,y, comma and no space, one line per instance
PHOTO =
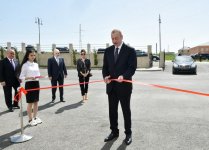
162,119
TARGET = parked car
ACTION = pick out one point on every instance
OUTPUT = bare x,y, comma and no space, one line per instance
140,53
193,56
184,64
101,51
14,48
200,56
30,47
155,58
63,49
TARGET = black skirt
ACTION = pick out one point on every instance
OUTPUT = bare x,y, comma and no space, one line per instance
32,96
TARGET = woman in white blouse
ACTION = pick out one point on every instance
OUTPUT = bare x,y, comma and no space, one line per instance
30,74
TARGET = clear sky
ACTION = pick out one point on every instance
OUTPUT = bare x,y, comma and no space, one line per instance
138,20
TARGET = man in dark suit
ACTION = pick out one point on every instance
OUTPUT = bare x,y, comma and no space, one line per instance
9,72
119,63
56,72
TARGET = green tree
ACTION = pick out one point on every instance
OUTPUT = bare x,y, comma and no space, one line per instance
16,54
2,52
95,58
74,57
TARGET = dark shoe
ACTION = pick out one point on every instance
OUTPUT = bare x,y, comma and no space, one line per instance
128,139
16,107
111,137
10,109
62,101
53,100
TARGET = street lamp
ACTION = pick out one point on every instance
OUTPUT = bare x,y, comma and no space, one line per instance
39,22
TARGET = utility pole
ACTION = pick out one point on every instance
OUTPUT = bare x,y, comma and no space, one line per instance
159,33
80,41
39,22
183,45
156,48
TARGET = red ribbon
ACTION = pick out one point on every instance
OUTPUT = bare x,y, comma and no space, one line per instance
22,90
19,94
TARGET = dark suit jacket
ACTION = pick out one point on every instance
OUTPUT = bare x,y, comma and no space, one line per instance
54,70
83,67
8,74
126,66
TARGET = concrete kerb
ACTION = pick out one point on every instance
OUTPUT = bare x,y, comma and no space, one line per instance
150,69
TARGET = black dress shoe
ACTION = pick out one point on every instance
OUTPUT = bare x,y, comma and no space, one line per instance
16,107
10,109
111,137
128,139
53,100
62,100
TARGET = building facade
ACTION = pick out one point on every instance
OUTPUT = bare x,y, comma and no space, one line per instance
200,49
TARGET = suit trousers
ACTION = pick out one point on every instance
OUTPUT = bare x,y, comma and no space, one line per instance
60,81
8,95
114,98
83,87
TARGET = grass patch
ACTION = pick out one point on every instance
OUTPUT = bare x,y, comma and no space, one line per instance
169,56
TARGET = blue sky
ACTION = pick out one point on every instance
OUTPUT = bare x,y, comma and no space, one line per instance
138,20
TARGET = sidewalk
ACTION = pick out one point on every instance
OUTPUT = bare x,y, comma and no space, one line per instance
150,69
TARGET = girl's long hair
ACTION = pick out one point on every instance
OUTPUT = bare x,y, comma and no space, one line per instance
25,59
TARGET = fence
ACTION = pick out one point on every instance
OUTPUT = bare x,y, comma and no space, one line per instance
46,52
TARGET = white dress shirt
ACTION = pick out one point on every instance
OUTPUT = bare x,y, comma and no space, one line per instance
57,59
29,69
119,47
